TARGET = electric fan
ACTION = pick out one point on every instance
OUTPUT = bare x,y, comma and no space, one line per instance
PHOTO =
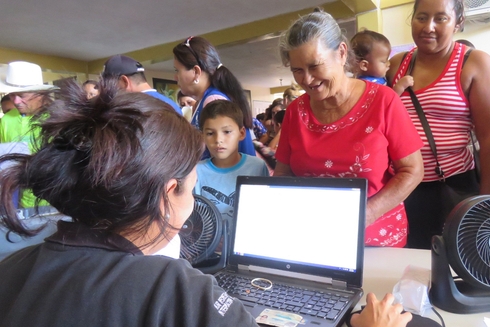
464,247
200,236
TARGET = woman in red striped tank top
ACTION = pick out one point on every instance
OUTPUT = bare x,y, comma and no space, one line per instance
454,100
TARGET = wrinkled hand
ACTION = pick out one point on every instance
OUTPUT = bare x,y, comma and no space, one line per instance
381,313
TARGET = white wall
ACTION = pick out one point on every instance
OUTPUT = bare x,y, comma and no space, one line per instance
396,24
261,95
476,33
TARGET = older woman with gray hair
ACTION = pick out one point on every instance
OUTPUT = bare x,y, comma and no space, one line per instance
344,127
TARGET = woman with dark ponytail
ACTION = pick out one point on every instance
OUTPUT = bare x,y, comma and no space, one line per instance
122,166
200,74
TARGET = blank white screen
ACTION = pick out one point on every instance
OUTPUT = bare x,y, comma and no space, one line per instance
302,224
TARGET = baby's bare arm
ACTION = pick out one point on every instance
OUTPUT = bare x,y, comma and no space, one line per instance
402,84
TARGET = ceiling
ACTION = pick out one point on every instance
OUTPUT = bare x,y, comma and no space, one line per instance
92,30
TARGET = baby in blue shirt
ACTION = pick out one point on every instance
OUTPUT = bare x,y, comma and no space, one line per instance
372,52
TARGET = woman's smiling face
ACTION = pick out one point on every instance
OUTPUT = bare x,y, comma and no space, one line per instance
317,69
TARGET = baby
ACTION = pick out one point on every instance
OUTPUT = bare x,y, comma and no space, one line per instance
372,52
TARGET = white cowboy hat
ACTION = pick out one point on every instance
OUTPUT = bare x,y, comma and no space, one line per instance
21,76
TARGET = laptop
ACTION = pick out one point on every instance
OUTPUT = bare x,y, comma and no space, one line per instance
299,240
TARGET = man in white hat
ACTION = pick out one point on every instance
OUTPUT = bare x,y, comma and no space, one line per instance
23,82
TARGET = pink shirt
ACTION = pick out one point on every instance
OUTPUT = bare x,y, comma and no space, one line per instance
360,144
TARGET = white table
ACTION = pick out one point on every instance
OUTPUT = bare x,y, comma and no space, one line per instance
383,267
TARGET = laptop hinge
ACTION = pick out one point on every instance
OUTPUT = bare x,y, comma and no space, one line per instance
278,272
339,283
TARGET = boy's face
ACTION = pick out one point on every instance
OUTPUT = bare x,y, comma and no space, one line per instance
221,136
378,60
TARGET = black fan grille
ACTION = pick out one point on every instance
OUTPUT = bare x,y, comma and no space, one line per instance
473,242
199,233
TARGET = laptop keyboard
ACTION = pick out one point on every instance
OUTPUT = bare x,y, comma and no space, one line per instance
325,304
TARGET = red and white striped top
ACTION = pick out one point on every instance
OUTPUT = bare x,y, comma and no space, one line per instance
447,111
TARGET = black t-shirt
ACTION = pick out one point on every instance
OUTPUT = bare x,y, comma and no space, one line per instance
81,277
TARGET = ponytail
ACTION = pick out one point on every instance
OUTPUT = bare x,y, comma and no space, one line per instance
224,80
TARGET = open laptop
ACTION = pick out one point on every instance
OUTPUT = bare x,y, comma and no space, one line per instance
295,233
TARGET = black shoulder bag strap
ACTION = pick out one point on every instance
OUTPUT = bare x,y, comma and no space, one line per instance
476,154
423,119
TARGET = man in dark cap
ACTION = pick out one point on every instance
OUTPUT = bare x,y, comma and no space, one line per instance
131,76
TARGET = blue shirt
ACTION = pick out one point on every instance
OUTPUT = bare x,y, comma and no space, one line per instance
219,184
165,99
259,128
377,80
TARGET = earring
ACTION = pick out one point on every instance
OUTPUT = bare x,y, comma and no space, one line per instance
196,81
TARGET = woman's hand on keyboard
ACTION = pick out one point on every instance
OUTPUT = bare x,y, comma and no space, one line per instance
381,313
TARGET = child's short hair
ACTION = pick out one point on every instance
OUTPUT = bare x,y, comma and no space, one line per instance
221,108
279,116
362,43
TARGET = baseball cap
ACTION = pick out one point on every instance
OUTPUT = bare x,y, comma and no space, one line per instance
121,65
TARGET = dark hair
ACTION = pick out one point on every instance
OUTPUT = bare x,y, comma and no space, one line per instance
105,163
362,43
275,103
279,116
223,108
458,11
180,95
260,116
199,51
5,98
318,25
466,42
93,82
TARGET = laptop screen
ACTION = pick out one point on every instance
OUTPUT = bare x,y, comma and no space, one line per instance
306,225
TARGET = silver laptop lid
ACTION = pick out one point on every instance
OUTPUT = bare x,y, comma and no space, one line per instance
311,226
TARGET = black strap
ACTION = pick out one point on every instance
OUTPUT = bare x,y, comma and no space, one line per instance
423,119
427,130
476,154
466,55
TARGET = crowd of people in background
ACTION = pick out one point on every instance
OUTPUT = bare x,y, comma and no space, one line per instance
120,158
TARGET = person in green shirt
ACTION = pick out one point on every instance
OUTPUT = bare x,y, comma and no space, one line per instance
23,82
